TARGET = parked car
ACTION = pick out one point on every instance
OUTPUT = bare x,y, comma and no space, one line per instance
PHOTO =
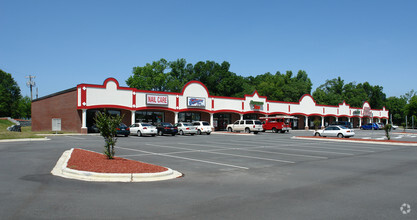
247,126
343,123
123,130
93,129
202,127
141,129
166,128
380,126
335,131
394,127
370,126
186,128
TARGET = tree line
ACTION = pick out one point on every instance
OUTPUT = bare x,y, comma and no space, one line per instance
12,104
171,76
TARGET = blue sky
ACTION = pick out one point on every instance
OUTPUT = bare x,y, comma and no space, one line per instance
65,43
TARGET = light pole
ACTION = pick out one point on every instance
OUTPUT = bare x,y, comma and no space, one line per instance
30,84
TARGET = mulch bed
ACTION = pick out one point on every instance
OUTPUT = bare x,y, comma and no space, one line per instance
95,162
358,139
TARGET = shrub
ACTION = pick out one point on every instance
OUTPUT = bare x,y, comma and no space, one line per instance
108,124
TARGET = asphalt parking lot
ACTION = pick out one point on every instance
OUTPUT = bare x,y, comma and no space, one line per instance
264,176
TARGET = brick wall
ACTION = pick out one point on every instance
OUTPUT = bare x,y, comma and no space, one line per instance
63,105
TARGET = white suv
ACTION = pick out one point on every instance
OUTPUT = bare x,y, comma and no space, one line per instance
202,127
247,126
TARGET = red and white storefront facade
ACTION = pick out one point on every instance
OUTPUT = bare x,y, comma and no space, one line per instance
193,103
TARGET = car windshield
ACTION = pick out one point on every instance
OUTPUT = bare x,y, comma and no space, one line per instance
146,125
187,124
343,127
206,123
258,122
166,124
122,125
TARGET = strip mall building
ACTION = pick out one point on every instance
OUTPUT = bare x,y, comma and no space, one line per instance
75,108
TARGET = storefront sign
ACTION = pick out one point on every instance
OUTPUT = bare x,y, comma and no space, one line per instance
156,100
256,105
356,112
196,102
367,112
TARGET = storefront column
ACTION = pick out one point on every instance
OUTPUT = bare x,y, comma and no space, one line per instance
133,118
306,123
176,117
241,116
337,119
322,121
348,119
84,129
386,121
360,122
212,121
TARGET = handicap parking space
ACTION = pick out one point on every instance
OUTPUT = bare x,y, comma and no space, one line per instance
237,152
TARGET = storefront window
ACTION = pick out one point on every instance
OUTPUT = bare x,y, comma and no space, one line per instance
251,116
149,116
189,116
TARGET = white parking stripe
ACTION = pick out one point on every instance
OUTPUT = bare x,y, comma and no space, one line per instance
261,151
186,158
235,155
345,148
329,152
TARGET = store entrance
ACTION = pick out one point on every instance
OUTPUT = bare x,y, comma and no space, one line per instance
221,121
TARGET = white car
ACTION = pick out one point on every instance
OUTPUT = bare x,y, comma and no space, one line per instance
186,128
202,127
335,131
247,126
141,129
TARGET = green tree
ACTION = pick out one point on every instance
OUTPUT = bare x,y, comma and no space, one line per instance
150,77
107,124
9,95
24,109
396,107
411,107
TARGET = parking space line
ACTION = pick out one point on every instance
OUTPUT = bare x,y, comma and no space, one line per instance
262,151
186,158
330,148
316,151
235,155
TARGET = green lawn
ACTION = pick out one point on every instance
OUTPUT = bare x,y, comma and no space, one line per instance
26,131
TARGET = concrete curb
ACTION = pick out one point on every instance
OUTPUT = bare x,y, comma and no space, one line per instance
62,170
356,141
25,139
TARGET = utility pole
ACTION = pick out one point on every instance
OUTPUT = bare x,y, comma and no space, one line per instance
30,84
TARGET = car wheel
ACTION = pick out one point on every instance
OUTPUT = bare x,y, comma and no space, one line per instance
255,132
230,130
139,134
173,134
160,133
247,130
192,134
208,133
199,132
181,132
153,135
274,130
340,135
282,131
126,135
317,134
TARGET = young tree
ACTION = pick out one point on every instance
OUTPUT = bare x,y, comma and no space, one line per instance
108,124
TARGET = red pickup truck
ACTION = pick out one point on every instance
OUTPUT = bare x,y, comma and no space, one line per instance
277,123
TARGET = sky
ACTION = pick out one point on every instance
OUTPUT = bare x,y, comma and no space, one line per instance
65,43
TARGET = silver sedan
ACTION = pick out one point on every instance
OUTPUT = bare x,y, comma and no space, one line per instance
335,131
